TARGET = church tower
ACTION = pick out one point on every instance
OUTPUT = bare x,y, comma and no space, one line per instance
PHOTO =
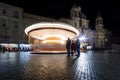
100,32
75,16
99,23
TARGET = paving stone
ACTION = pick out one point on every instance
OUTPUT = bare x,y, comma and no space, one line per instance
89,66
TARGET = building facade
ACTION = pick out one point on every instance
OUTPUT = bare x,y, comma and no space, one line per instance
13,21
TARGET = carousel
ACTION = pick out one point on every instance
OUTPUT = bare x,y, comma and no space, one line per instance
50,37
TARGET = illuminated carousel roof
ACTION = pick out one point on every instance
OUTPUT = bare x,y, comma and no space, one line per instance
46,30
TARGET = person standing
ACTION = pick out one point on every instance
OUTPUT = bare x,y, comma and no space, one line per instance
77,47
68,45
72,47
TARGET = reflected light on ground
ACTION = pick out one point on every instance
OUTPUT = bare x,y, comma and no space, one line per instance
83,62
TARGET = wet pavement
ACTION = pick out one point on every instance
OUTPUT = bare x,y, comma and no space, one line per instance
91,65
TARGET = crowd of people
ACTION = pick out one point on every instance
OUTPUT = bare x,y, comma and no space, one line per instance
73,47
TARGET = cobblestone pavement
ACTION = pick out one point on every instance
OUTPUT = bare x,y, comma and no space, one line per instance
100,65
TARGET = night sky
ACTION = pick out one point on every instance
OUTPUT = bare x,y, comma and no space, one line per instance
109,10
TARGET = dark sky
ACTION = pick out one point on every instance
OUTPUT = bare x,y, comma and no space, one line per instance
109,10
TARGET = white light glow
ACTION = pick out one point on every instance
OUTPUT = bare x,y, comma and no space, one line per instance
41,34
53,41
53,35
48,36
51,25
82,38
9,45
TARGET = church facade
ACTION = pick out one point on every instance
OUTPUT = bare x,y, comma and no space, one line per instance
13,21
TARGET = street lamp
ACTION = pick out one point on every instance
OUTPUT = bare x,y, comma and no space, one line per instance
82,38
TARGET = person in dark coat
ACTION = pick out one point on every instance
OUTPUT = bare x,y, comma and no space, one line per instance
68,45
72,47
77,47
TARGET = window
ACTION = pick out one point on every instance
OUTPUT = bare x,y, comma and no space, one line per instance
16,15
15,26
99,21
3,25
75,23
76,13
3,22
4,11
